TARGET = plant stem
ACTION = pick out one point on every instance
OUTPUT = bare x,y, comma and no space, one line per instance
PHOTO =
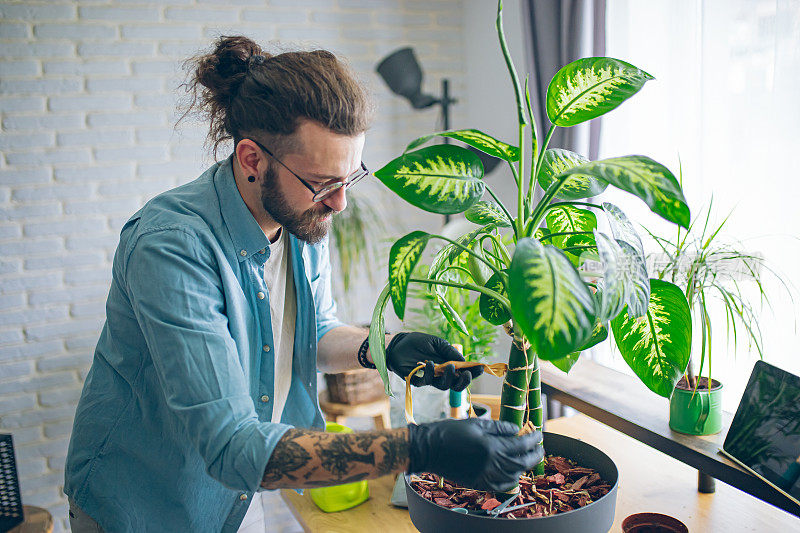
543,205
521,183
469,251
469,286
587,204
499,203
509,63
535,407
502,247
513,404
538,162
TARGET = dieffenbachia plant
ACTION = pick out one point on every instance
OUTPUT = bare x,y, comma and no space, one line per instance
528,268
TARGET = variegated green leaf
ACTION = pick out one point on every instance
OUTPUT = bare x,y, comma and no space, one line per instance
566,363
622,228
649,180
490,308
556,161
590,87
442,179
475,138
487,213
549,301
377,338
624,281
451,315
448,254
599,334
567,218
478,269
403,257
657,345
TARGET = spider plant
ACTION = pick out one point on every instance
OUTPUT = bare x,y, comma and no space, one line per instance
524,267
707,268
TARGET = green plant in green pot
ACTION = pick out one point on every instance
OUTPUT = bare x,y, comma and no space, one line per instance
525,267
708,268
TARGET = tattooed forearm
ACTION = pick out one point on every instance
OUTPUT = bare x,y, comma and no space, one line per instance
285,460
305,458
337,456
395,455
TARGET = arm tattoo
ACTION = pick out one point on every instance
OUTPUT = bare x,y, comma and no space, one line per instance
285,460
306,458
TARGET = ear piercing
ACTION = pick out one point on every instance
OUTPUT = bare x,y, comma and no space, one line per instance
251,179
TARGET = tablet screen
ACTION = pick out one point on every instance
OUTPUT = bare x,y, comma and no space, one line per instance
765,432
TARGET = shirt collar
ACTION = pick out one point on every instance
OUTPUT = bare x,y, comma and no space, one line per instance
246,234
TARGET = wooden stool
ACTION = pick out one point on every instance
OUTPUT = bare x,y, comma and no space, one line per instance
378,410
37,520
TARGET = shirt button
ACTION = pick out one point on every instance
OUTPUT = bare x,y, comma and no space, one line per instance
243,253
262,250
265,398
260,295
266,347
243,496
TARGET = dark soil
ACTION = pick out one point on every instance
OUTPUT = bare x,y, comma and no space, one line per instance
702,384
563,487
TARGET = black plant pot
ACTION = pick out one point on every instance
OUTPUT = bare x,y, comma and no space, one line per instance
597,517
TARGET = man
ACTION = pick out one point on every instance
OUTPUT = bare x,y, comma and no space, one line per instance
203,385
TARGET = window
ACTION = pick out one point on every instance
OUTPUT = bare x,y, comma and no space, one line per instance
726,104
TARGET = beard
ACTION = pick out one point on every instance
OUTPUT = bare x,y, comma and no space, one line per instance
310,225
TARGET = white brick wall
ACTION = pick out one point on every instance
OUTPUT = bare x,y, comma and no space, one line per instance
87,109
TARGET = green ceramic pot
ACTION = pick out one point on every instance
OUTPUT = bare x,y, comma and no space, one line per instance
696,412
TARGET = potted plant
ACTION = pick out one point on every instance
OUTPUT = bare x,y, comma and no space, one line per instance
355,234
708,268
527,276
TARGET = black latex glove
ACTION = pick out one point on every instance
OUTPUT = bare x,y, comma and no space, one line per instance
407,350
473,452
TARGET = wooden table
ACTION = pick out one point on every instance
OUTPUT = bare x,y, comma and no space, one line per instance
624,403
37,520
649,482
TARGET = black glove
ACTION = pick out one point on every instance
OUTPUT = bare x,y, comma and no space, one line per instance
407,350
475,453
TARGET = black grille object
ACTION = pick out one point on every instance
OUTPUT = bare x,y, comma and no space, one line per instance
10,500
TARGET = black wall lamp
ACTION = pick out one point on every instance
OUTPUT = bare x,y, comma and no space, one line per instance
402,73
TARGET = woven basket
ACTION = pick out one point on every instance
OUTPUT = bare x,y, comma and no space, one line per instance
354,386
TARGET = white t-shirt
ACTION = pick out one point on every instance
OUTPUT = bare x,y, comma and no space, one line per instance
283,308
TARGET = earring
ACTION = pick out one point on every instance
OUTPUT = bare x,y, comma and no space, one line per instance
251,179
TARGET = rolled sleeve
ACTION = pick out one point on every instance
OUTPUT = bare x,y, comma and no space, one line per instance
174,285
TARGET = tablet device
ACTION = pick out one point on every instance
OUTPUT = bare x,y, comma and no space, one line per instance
764,436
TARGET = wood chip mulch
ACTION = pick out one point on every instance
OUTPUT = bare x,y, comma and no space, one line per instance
563,487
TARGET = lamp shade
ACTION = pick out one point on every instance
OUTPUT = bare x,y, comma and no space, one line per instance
402,73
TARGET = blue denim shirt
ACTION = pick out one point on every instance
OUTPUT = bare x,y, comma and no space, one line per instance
172,430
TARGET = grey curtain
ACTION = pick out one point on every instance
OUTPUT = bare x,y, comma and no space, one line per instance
557,32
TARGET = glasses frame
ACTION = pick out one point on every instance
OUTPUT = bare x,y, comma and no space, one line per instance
326,190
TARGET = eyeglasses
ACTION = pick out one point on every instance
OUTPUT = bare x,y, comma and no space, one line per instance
326,190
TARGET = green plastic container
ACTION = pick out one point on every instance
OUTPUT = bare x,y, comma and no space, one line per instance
339,497
696,412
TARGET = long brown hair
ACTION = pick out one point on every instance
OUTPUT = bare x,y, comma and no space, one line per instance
244,91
